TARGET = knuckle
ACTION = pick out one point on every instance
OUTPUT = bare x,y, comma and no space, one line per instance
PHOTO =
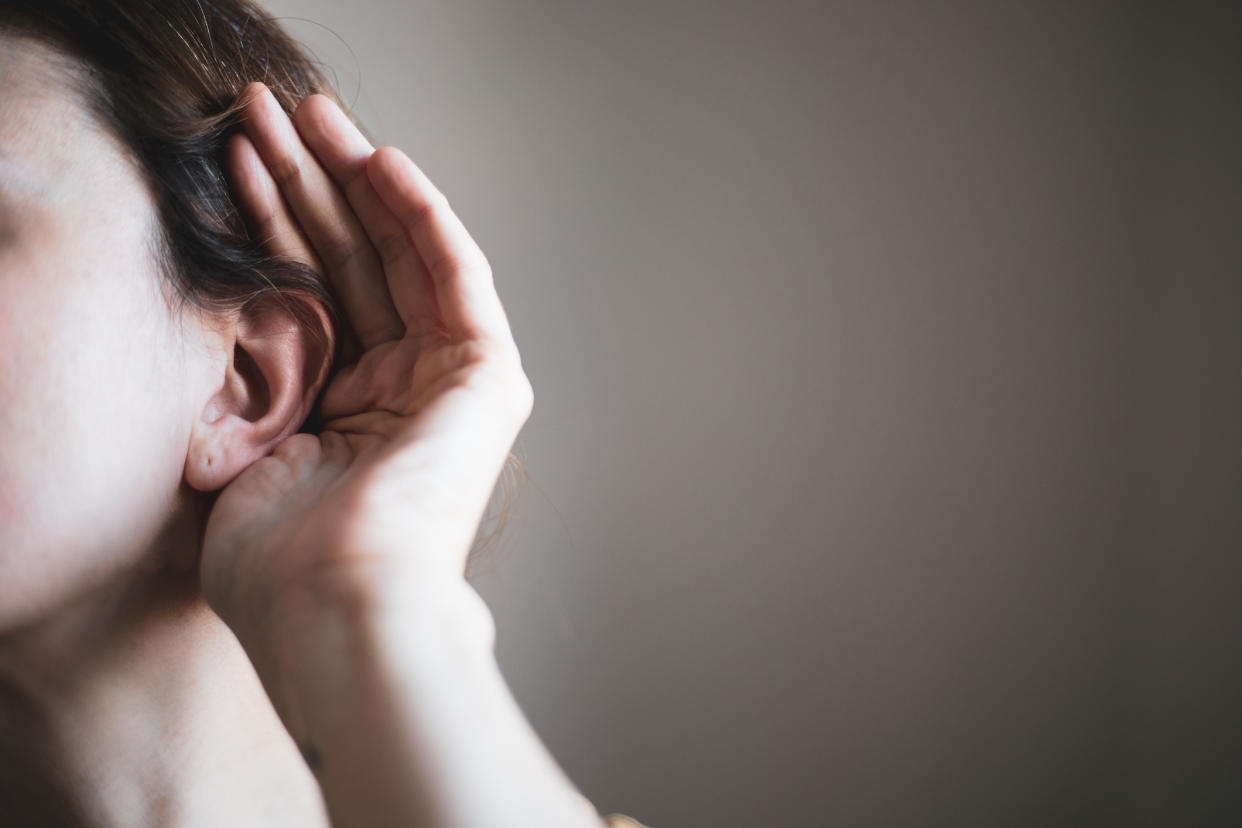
390,248
451,263
446,265
285,170
421,213
425,210
475,353
337,253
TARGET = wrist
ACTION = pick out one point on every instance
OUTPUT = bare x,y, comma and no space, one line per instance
312,647
403,715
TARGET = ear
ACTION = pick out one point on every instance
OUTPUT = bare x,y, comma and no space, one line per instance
279,356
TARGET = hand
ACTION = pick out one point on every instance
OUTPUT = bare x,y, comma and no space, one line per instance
384,503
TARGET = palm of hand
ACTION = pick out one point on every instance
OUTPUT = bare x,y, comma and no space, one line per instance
415,432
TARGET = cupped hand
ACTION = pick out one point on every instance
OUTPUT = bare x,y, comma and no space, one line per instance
384,503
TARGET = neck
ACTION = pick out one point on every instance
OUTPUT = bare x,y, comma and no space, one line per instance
137,706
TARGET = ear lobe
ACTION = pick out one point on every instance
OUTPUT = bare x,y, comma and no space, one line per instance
281,351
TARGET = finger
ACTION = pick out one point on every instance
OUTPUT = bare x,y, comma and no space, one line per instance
351,263
460,273
270,220
261,204
343,151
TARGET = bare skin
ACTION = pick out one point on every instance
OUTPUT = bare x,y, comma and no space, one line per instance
326,620
141,696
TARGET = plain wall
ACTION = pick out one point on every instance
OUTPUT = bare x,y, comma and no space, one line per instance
884,460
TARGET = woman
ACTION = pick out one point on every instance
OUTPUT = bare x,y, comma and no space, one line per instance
257,389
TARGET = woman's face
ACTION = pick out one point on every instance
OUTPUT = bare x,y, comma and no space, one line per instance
99,382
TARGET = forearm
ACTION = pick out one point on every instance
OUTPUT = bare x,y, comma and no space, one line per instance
406,720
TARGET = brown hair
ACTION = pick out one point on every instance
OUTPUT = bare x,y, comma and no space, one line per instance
163,76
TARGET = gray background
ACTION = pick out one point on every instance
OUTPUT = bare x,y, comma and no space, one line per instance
884,459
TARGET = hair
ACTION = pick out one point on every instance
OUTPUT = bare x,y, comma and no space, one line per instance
163,76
